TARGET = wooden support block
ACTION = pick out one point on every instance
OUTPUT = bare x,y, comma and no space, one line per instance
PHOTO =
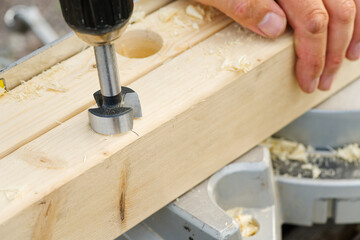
71,183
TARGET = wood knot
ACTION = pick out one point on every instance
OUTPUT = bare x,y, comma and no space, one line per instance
122,207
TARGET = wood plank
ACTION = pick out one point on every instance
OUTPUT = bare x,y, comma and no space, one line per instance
71,183
46,107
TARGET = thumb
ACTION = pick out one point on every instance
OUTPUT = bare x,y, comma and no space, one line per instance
264,17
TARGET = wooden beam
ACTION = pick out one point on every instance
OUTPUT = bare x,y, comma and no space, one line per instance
66,89
71,183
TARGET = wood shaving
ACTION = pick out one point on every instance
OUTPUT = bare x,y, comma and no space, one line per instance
307,166
240,65
167,14
284,149
349,153
188,17
137,16
316,171
248,225
180,23
195,11
32,89
37,86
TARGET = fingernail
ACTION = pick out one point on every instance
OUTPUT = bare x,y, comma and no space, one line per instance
313,85
355,52
272,25
326,83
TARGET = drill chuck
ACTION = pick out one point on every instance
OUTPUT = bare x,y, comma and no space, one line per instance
97,22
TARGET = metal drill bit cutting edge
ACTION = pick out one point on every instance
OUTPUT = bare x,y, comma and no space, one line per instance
100,24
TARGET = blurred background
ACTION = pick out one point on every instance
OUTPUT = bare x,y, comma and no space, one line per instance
16,44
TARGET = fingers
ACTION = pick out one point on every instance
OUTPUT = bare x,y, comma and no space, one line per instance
340,31
353,52
264,17
324,32
309,19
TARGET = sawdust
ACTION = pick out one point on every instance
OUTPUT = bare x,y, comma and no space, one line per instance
188,17
295,159
248,225
197,11
316,172
350,153
290,150
307,166
285,150
242,64
167,14
38,85
180,22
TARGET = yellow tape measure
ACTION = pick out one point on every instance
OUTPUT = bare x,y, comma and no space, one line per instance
2,85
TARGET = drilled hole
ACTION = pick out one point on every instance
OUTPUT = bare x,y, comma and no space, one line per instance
139,44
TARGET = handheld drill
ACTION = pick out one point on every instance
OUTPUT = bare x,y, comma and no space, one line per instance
100,23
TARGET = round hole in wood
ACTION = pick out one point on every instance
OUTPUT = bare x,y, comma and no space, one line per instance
139,44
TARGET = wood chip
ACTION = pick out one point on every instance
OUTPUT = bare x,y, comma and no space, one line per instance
349,153
248,225
284,149
166,15
195,11
316,171
240,65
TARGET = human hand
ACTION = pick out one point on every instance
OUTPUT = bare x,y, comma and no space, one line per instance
324,32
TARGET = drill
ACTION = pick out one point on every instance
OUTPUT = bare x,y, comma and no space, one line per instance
100,23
